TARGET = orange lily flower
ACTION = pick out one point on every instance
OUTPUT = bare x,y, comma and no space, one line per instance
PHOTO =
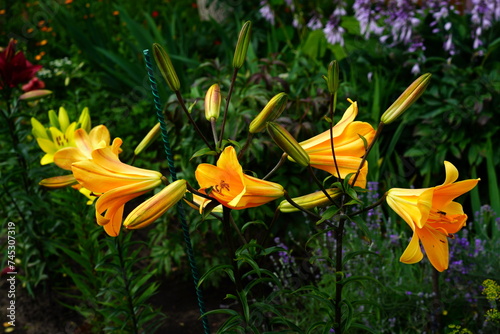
432,215
233,189
349,147
116,181
98,137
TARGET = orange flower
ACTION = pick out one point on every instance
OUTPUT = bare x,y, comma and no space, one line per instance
349,147
98,137
233,189
116,182
432,215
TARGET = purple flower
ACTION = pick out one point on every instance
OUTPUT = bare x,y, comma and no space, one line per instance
266,12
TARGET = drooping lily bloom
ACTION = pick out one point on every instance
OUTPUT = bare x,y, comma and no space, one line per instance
432,215
60,134
233,189
116,182
14,68
349,147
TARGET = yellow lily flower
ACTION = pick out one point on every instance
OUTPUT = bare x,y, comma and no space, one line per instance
432,215
227,184
60,134
116,182
349,147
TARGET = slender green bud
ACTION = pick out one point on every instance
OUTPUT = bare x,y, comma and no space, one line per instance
332,77
240,53
310,201
156,206
35,94
288,144
59,181
146,141
405,100
166,68
212,102
84,120
63,119
271,111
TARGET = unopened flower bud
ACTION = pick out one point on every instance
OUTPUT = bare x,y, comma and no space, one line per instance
166,68
332,77
310,201
271,111
146,141
212,102
35,94
84,120
58,181
405,100
288,144
242,45
153,208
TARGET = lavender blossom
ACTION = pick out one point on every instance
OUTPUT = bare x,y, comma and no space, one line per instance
266,12
334,33
367,12
315,23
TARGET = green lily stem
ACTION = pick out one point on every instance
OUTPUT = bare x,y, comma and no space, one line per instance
231,220
437,305
247,144
291,201
197,129
226,213
339,276
377,134
213,123
377,203
320,185
126,281
278,165
231,87
333,104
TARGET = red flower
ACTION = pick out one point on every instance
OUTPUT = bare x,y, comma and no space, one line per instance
14,68
34,84
155,13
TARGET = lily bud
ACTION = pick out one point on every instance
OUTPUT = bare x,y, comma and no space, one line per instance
405,100
288,144
156,206
271,111
58,181
212,102
63,119
35,94
146,141
166,68
310,201
332,78
242,46
84,120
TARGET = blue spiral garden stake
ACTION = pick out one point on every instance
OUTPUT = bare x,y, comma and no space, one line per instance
180,204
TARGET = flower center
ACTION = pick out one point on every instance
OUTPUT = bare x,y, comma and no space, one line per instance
222,186
61,141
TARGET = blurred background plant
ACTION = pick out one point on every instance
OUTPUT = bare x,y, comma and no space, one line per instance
91,55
